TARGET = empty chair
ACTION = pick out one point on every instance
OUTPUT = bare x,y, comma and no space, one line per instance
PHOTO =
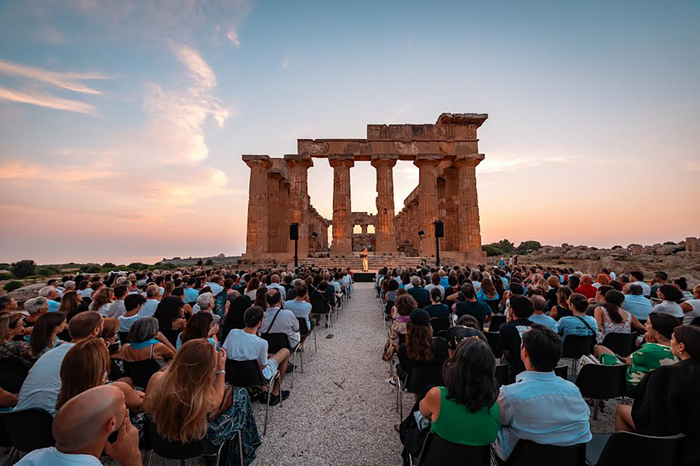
528,453
598,382
632,448
494,341
179,451
621,344
26,431
248,374
496,321
439,452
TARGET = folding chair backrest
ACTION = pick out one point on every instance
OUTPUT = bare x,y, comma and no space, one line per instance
171,335
303,327
562,371
577,346
141,372
276,341
528,453
494,341
502,374
124,337
12,374
493,304
438,324
695,321
439,452
496,322
28,430
601,382
632,448
173,450
244,373
620,343
421,376
319,305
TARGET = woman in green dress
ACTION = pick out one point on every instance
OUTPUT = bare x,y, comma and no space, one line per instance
465,411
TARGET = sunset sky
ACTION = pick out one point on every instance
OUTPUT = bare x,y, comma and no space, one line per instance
122,123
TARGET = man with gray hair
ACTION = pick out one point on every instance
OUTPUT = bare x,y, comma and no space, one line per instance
152,301
50,293
420,294
69,285
275,283
36,307
635,303
205,303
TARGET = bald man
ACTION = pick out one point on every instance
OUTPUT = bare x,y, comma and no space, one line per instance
81,429
40,388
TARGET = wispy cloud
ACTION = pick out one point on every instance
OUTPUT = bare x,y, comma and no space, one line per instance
46,100
64,80
285,62
499,164
232,36
178,115
19,172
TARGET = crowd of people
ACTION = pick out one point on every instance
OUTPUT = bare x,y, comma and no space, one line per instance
153,348
451,318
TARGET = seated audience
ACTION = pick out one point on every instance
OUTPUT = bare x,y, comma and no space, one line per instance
539,306
152,299
10,328
403,307
45,334
656,352
146,342
101,301
691,307
278,320
436,309
87,365
72,304
611,318
41,387
104,411
579,324
36,307
435,283
51,295
541,406
561,309
635,303
670,296
199,326
117,308
300,307
519,312
421,348
171,317
471,306
639,280
488,294
132,304
586,287
246,345
8,304
417,292
465,411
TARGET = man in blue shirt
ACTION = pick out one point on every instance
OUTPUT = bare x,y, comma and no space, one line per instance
541,406
635,303
191,293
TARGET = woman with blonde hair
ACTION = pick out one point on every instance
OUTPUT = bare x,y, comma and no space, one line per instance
87,365
189,401
101,301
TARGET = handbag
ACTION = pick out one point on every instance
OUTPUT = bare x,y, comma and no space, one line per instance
226,403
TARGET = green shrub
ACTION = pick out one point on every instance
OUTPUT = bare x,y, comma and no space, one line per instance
109,265
209,262
138,266
492,249
90,268
6,276
24,268
47,271
13,285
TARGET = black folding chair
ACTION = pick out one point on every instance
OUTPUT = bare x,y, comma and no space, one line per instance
562,371
494,341
438,324
493,305
277,341
179,451
141,372
496,321
439,452
577,346
305,331
248,374
417,380
598,382
502,374
12,374
632,448
621,344
695,321
171,335
124,337
528,453
26,431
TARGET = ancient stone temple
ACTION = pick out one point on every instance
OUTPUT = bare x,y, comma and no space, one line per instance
446,154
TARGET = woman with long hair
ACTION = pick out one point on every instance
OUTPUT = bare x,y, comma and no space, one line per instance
670,297
45,334
71,304
611,318
562,307
488,294
465,411
87,365
260,297
171,317
101,301
199,326
403,306
252,288
11,326
189,402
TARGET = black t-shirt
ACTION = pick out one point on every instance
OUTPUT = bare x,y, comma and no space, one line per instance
439,357
509,337
437,310
478,309
421,295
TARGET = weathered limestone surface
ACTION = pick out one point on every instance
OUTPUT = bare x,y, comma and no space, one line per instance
298,199
384,228
342,222
257,234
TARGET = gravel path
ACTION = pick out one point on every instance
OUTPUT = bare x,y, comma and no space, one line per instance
322,423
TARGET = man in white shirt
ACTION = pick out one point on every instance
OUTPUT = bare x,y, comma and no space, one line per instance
81,429
278,320
116,309
639,277
246,345
152,300
275,283
40,388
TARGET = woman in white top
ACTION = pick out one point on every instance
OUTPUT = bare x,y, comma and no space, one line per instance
611,318
252,288
691,308
670,296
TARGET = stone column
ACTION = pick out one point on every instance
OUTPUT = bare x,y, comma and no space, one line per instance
298,200
274,212
384,224
283,238
428,203
257,234
468,205
451,240
342,221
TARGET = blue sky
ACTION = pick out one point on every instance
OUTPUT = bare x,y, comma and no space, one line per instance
122,123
